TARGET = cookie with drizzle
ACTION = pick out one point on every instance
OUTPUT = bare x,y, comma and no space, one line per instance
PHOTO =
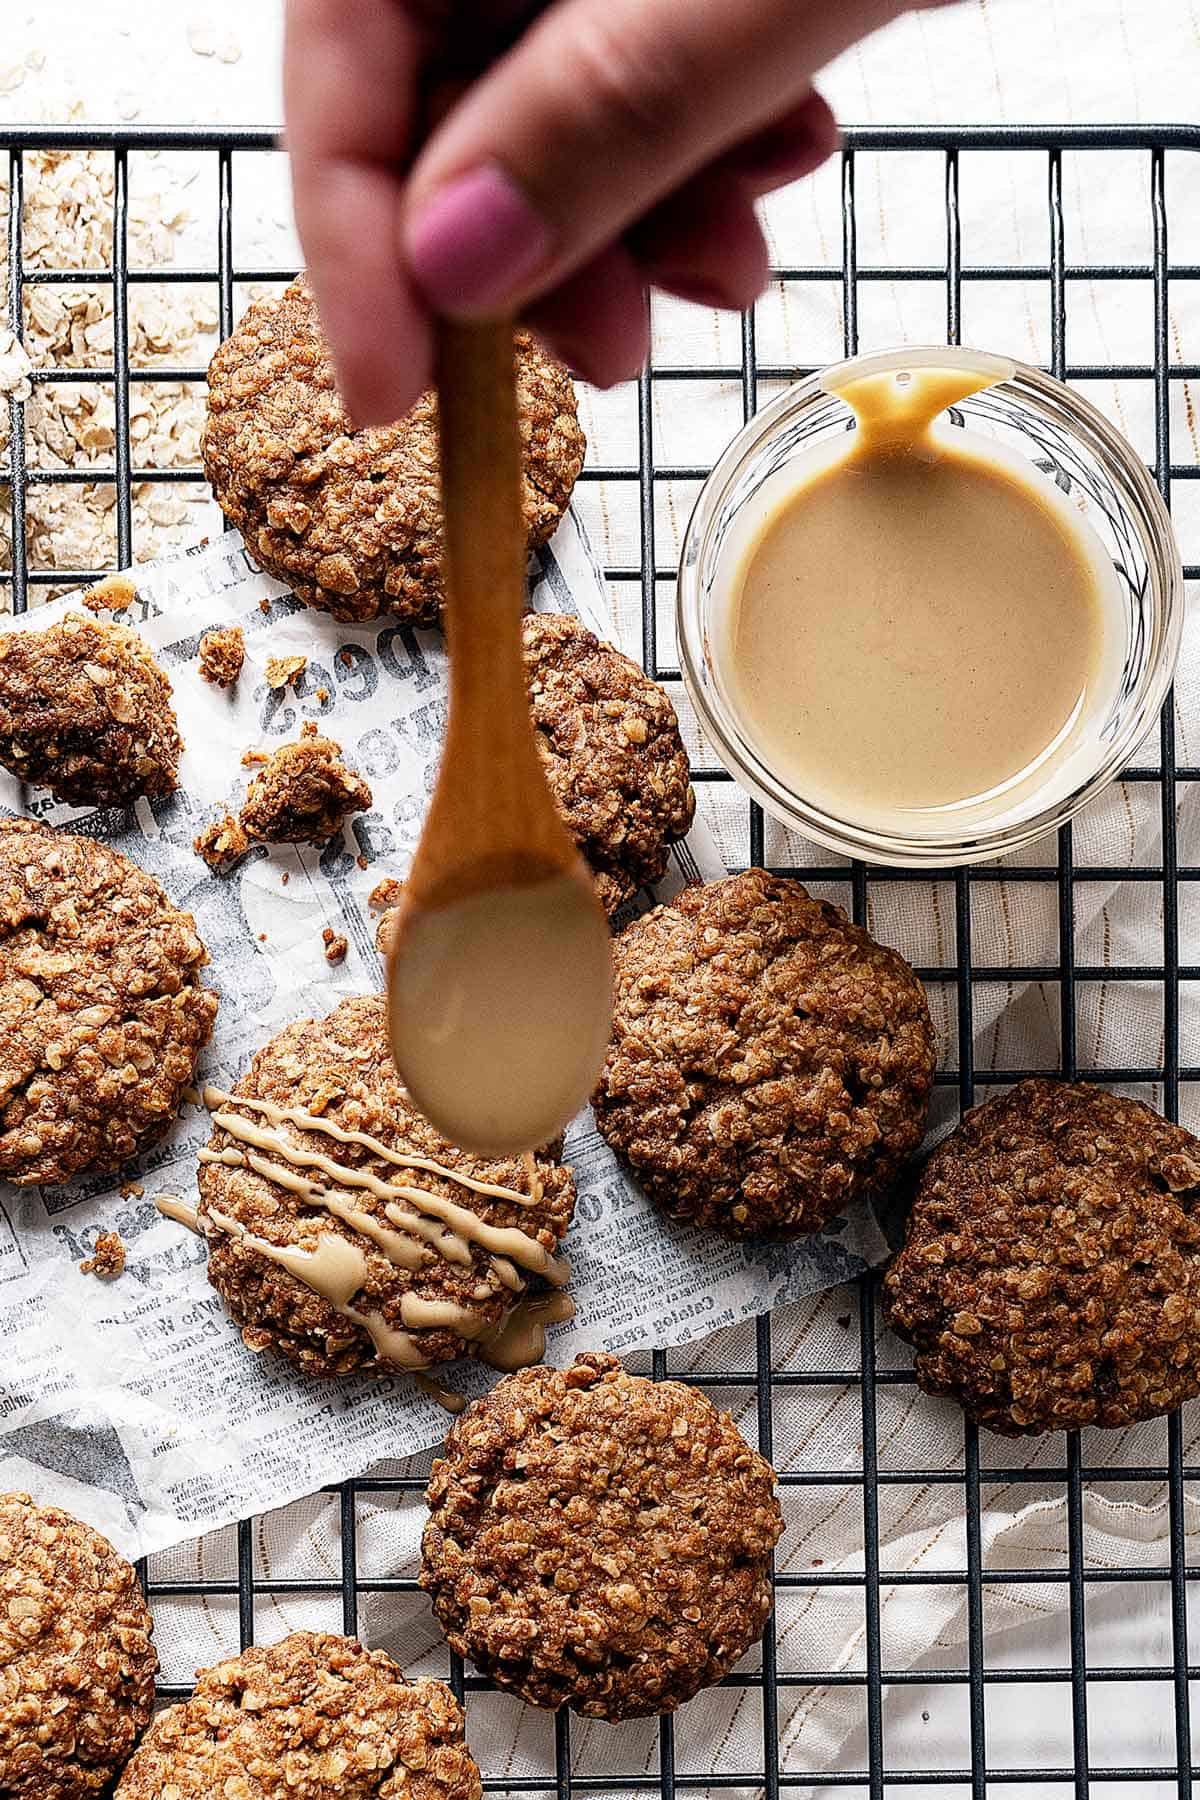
345,1233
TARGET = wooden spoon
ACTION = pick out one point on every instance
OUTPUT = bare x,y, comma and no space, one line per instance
500,973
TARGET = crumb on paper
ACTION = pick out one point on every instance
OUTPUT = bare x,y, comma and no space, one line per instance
282,670
222,653
385,931
364,862
113,594
336,946
309,728
344,656
132,1190
286,877
108,1259
323,695
385,894
304,794
262,937
222,844
252,758
264,606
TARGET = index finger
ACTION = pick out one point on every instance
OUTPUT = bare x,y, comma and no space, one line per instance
352,86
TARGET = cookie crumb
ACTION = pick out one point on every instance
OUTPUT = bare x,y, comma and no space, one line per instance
283,670
222,843
113,594
304,794
345,657
323,695
335,946
222,654
132,1190
262,937
264,606
108,1259
285,878
385,894
308,729
363,862
252,759
653,1518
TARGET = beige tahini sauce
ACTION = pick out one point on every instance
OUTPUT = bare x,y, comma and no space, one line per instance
422,1226
500,1011
919,621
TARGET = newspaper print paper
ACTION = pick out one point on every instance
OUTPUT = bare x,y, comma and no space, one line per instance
134,1402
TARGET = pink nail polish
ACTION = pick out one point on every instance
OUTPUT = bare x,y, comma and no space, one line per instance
475,243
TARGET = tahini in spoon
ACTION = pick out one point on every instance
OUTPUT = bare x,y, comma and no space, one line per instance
500,974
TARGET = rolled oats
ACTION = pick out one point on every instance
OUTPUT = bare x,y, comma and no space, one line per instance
304,794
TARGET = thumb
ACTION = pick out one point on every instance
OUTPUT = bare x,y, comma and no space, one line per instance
598,112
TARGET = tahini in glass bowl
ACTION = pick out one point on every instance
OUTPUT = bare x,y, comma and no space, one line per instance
1074,446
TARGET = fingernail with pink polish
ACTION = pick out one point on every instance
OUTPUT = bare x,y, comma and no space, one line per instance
475,243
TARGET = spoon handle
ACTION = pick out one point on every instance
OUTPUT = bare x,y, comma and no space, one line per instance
491,801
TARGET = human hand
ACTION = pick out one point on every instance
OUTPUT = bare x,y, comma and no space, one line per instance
607,146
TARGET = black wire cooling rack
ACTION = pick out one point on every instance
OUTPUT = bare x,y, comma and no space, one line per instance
1154,146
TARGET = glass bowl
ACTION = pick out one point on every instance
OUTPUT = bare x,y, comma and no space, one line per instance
1072,444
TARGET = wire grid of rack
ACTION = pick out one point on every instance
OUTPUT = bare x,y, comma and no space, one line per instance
764,1380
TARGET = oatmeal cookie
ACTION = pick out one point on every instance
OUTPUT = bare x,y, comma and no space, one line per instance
222,654
352,520
770,1062
315,1717
1050,1275
102,1008
304,794
600,1539
610,745
116,593
405,1285
76,1660
222,843
86,712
